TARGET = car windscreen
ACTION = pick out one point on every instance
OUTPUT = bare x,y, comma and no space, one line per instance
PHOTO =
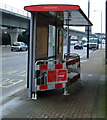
78,44
16,44
93,40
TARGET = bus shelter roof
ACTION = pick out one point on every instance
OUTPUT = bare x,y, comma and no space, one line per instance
71,15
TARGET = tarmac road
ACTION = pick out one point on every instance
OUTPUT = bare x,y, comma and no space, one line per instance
81,52
13,71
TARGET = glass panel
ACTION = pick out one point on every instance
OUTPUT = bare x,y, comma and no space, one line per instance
51,44
16,44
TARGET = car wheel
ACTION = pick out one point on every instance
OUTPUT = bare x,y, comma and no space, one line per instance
14,50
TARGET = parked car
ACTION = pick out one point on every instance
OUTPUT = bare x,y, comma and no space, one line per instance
85,45
19,46
73,41
78,45
93,43
103,41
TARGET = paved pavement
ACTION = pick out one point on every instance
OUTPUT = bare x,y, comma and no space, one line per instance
85,99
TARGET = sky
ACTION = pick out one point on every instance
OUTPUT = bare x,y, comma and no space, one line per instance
95,17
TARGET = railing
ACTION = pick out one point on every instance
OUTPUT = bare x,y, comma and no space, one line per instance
73,67
14,10
48,71
50,74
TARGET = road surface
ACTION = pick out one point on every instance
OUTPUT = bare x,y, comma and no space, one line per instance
14,67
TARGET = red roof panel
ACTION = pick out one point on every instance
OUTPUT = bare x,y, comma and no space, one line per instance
51,7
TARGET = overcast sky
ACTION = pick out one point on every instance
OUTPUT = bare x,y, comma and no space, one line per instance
95,17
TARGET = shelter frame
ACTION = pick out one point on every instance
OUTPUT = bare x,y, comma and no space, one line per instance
70,15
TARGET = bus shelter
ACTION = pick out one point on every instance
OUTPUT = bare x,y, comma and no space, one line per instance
46,42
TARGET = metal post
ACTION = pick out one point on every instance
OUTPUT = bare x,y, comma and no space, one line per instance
56,37
101,29
33,59
101,26
88,43
55,41
30,57
88,30
68,48
106,58
106,36
28,54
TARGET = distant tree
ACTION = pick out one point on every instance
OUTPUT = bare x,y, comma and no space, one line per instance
23,37
6,39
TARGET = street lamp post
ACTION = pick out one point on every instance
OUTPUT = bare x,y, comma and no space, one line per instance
101,29
88,8
101,25
88,30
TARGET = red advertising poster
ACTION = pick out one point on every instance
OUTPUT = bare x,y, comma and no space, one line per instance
62,75
52,75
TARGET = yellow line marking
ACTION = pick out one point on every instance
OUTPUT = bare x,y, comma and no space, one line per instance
22,72
12,72
5,81
11,82
22,75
